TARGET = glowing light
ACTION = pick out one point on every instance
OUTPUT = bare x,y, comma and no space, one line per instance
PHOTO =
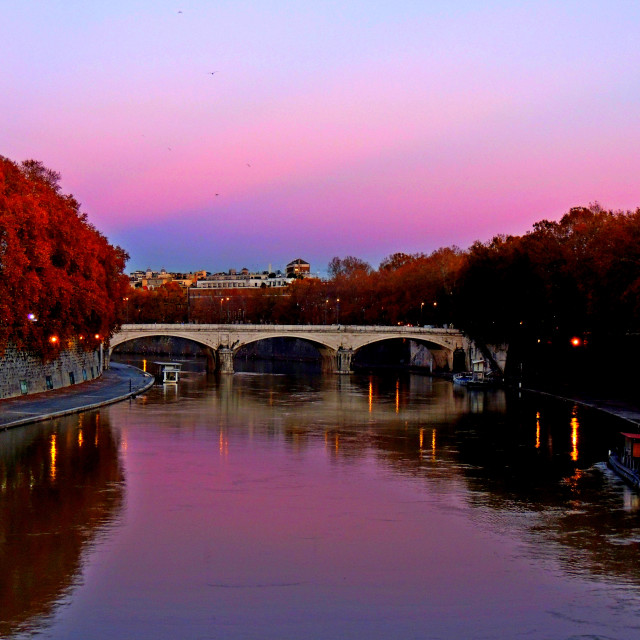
538,430
53,339
80,438
370,396
574,434
97,336
421,438
53,452
433,443
144,365
397,396
576,342
32,317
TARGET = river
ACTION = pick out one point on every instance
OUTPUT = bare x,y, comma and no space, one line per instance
295,505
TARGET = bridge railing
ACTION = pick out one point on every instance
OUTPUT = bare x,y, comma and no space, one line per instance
300,328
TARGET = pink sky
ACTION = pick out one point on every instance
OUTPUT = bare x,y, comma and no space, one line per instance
401,126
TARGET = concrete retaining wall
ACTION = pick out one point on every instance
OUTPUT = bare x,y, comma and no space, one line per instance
22,373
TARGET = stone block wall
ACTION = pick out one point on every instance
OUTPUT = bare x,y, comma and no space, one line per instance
22,373
420,356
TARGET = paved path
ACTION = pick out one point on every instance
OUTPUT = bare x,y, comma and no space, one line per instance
117,383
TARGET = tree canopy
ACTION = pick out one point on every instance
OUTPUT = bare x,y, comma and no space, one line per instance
60,279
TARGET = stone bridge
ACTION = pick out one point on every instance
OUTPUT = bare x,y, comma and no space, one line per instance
335,343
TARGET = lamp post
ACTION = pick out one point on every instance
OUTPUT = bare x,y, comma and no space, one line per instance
337,310
421,314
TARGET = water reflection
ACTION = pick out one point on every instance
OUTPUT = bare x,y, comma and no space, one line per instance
61,484
445,435
343,506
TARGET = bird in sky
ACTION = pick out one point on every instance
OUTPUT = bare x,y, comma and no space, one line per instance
212,73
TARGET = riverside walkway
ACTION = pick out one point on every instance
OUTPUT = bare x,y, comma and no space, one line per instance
117,383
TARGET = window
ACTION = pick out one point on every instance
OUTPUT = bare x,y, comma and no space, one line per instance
49,383
24,386
72,378
84,374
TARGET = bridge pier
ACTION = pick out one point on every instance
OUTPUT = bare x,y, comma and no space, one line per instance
225,360
343,360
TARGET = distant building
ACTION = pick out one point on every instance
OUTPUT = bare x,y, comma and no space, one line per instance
243,280
149,279
298,268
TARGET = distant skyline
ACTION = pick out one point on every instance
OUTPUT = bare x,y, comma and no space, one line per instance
202,135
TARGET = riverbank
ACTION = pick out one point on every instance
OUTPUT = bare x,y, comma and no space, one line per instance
117,383
620,407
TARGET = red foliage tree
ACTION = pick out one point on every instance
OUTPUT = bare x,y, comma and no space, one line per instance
60,279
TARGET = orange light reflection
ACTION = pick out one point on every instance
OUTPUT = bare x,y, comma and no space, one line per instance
574,434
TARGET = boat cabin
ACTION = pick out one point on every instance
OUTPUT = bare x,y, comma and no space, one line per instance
478,370
170,372
631,451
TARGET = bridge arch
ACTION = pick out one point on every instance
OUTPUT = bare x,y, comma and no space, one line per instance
209,348
440,353
326,351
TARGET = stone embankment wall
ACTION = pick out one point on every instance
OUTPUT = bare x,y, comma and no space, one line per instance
23,373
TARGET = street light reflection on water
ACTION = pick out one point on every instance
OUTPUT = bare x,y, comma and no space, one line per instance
275,506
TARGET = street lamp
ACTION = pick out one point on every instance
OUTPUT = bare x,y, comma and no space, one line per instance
338,311
421,308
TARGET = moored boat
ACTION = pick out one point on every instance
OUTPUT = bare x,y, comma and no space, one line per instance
463,378
626,463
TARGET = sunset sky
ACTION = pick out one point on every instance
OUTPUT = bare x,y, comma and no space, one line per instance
329,128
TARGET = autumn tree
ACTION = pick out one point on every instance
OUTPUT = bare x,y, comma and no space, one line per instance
60,279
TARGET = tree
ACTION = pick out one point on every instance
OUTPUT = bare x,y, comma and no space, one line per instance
60,280
348,266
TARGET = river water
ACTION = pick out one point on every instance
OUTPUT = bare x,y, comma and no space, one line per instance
296,505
